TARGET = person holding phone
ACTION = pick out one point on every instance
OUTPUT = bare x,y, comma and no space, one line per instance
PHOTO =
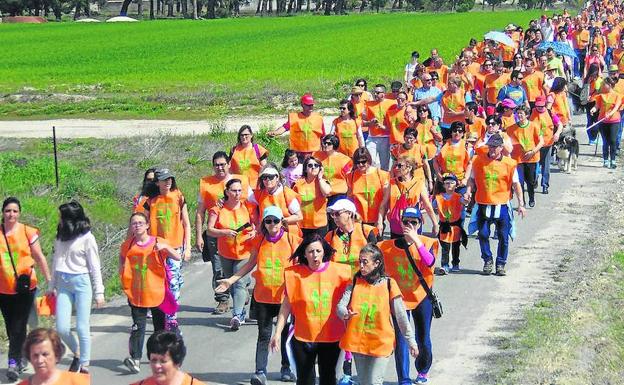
231,225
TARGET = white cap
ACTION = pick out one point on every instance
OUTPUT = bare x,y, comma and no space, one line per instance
342,204
269,171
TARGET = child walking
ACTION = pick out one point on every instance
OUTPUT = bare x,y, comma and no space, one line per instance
450,206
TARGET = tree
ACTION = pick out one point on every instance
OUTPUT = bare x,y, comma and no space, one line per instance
494,3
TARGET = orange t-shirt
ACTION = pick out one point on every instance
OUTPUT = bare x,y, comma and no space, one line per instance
367,192
534,85
165,215
313,297
397,123
313,204
477,126
246,161
370,330
442,73
450,210
453,159
68,378
272,259
346,131
211,189
143,273
524,138
560,106
507,121
20,240
305,132
336,167
239,247
493,179
188,380
493,84
425,138
378,110
400,268
348,248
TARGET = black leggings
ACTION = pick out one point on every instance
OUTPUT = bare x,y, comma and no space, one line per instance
609,131
15,310
137,332
306,353
264,314
450,247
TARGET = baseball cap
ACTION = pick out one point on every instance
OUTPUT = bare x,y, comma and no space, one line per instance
307,99
495,140
163,174
412,212
342,204
272,211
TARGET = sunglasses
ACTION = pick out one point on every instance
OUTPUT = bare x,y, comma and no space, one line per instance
269,221
342,108
219,165
268,177
361,161
408,222
492,123
401,166
328,144
314,165
457,131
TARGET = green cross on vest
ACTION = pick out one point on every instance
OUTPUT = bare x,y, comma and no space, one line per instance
320,303
244,165
329,172
369,194
273,268
307,199
490,179
164,218
346,137
6,259
525,142
368,314
447,215
140,269
306,128
451,162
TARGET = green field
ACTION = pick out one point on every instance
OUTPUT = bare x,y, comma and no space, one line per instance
196,68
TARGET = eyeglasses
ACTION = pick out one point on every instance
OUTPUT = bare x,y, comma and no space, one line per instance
314,165
361,85
269,221
434,78
492,123
361,162
379,92
408,222
427,79
138,224
401,166
219,165
268,177
457,130
420,111
337,213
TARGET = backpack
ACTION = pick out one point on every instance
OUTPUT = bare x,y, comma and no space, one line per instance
397,211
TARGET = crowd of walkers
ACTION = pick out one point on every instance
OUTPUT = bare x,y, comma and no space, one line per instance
336,238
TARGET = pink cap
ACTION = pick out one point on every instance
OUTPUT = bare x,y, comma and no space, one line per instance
307,99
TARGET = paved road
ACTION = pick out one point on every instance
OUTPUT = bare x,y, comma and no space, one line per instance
478,309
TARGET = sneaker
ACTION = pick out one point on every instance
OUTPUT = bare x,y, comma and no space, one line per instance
444,270
421,379
345,380
605,164
455,269
75,365
593,142
258,378
235,323
149,314
500,270
12,371
222,307
545,190
84,369
487,267
132,364
613,165
531,204
286,375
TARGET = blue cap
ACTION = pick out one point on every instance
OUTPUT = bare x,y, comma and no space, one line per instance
273,211
412,212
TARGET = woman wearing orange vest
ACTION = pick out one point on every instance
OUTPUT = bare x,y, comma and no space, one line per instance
453,158
169,219
247,157
550,127
231,225
270,253
369,187
336,168
272,192
450,206
368,305
428,133
44,349
347,129
313,288
396,118
417,152
608,104
350,235
422,251
313,190
415,191
20,250
143,278
166,352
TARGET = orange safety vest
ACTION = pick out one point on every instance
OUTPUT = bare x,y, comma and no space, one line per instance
580,39
477,126
349,253
416,153
560,106
453,159
455,102
370,330
165,215
68,378
605,103
246,161
20,240
273,258
346,131
493,179
412,190
313,204
450,210
534,85
396,121
281,200
425,138
367,192
336,167
239,247
188,380
524,138
618,58
507,121
143,273
546,126
442,73
305,132
313,297
211,189
376,109
613,37
493,84
359,109
399,267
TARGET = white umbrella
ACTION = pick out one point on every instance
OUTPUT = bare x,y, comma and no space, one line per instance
87,20
118,19
500,37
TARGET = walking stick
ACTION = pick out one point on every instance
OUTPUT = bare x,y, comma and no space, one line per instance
592,126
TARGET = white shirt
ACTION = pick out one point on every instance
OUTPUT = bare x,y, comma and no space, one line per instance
78,256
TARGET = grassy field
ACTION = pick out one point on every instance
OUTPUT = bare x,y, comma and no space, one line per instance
185,68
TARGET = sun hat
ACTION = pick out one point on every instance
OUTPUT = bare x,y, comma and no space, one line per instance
495,140
272,211
342,205
509,103
540,100
307,99
412,212
357,90
163,174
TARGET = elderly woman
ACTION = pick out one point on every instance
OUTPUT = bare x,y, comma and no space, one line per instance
166,352
20,243
44,350
247,157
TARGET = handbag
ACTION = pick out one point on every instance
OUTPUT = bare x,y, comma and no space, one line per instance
436,304
22,281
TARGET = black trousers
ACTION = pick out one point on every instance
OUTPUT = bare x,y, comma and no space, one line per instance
264,314
450,247
15,310
137,333
306,354
528,179
210,243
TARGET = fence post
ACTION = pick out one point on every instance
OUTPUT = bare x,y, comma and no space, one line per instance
56,171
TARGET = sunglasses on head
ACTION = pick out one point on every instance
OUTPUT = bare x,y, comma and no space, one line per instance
269,221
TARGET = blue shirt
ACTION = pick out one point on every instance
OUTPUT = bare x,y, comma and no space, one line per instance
515,93
434,107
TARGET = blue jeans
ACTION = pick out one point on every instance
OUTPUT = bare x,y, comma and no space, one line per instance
422,316
608,56
579,62
74,290
379,148
503,227
619,135
545,157
238,291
